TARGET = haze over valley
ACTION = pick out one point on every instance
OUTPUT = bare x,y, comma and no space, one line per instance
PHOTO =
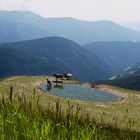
99,48
69,70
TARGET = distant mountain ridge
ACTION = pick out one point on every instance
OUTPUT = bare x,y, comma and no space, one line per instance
133,25
50,55
92,62
13,32
117,55
80,31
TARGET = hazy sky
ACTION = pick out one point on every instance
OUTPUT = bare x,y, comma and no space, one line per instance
116,10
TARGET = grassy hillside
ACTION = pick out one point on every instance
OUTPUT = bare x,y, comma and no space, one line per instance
129,82
42,116
15,62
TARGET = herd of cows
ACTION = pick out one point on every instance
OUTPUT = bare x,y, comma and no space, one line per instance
65,76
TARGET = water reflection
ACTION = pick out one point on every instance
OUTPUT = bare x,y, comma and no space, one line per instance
59,86
56,86
49,87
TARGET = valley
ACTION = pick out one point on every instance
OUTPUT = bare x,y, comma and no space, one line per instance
101,99
97,61
129,78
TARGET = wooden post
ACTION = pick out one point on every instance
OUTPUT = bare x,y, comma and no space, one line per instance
11,93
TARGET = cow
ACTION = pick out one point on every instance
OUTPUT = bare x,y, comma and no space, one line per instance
68,76
60,76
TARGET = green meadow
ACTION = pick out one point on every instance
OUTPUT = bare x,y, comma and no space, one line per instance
28,113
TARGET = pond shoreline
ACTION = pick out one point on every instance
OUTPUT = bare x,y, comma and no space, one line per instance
123,96
88,85
117,92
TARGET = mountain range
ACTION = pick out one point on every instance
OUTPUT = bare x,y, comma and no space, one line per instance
50,55
117,55
92,62
25,25
30,46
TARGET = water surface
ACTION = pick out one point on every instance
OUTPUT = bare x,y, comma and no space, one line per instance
81,93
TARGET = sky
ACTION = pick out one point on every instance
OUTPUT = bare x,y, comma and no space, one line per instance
115,10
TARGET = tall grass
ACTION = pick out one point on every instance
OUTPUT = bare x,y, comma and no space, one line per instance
23,118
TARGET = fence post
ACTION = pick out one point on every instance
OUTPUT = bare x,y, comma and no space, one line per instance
11,93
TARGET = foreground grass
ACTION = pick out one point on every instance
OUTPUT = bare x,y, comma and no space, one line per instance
22,118
33,114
